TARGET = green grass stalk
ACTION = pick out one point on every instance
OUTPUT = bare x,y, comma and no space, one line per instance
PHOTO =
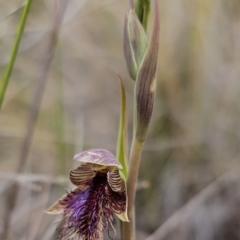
14,53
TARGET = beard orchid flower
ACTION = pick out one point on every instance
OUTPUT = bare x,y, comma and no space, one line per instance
100,192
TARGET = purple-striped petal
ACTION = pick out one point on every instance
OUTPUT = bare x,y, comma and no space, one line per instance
115,181
118,185
83,175
59,206
117,202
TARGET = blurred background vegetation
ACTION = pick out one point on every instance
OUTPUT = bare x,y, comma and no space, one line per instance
189,186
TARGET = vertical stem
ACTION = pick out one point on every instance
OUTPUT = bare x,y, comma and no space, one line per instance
60,115
14,52
11,198
128,230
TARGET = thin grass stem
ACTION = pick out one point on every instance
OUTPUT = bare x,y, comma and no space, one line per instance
12,194
14,53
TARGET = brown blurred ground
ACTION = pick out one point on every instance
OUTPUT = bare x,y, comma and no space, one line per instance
194,136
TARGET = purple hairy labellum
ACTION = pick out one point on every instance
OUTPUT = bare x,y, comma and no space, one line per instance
100,192
135,43
146,80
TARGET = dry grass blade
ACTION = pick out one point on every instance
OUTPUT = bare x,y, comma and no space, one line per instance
31,123
12,12
35,228
183,213
42,178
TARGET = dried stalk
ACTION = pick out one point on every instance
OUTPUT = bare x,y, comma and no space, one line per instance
11,197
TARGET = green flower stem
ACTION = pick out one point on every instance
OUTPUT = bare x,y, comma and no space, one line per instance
128,230
15,48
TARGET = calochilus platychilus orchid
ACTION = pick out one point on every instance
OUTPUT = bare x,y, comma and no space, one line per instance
100,192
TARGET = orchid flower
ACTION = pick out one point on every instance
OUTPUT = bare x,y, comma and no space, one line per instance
100,192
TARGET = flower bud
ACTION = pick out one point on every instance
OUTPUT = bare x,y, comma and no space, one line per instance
146,80
135,43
